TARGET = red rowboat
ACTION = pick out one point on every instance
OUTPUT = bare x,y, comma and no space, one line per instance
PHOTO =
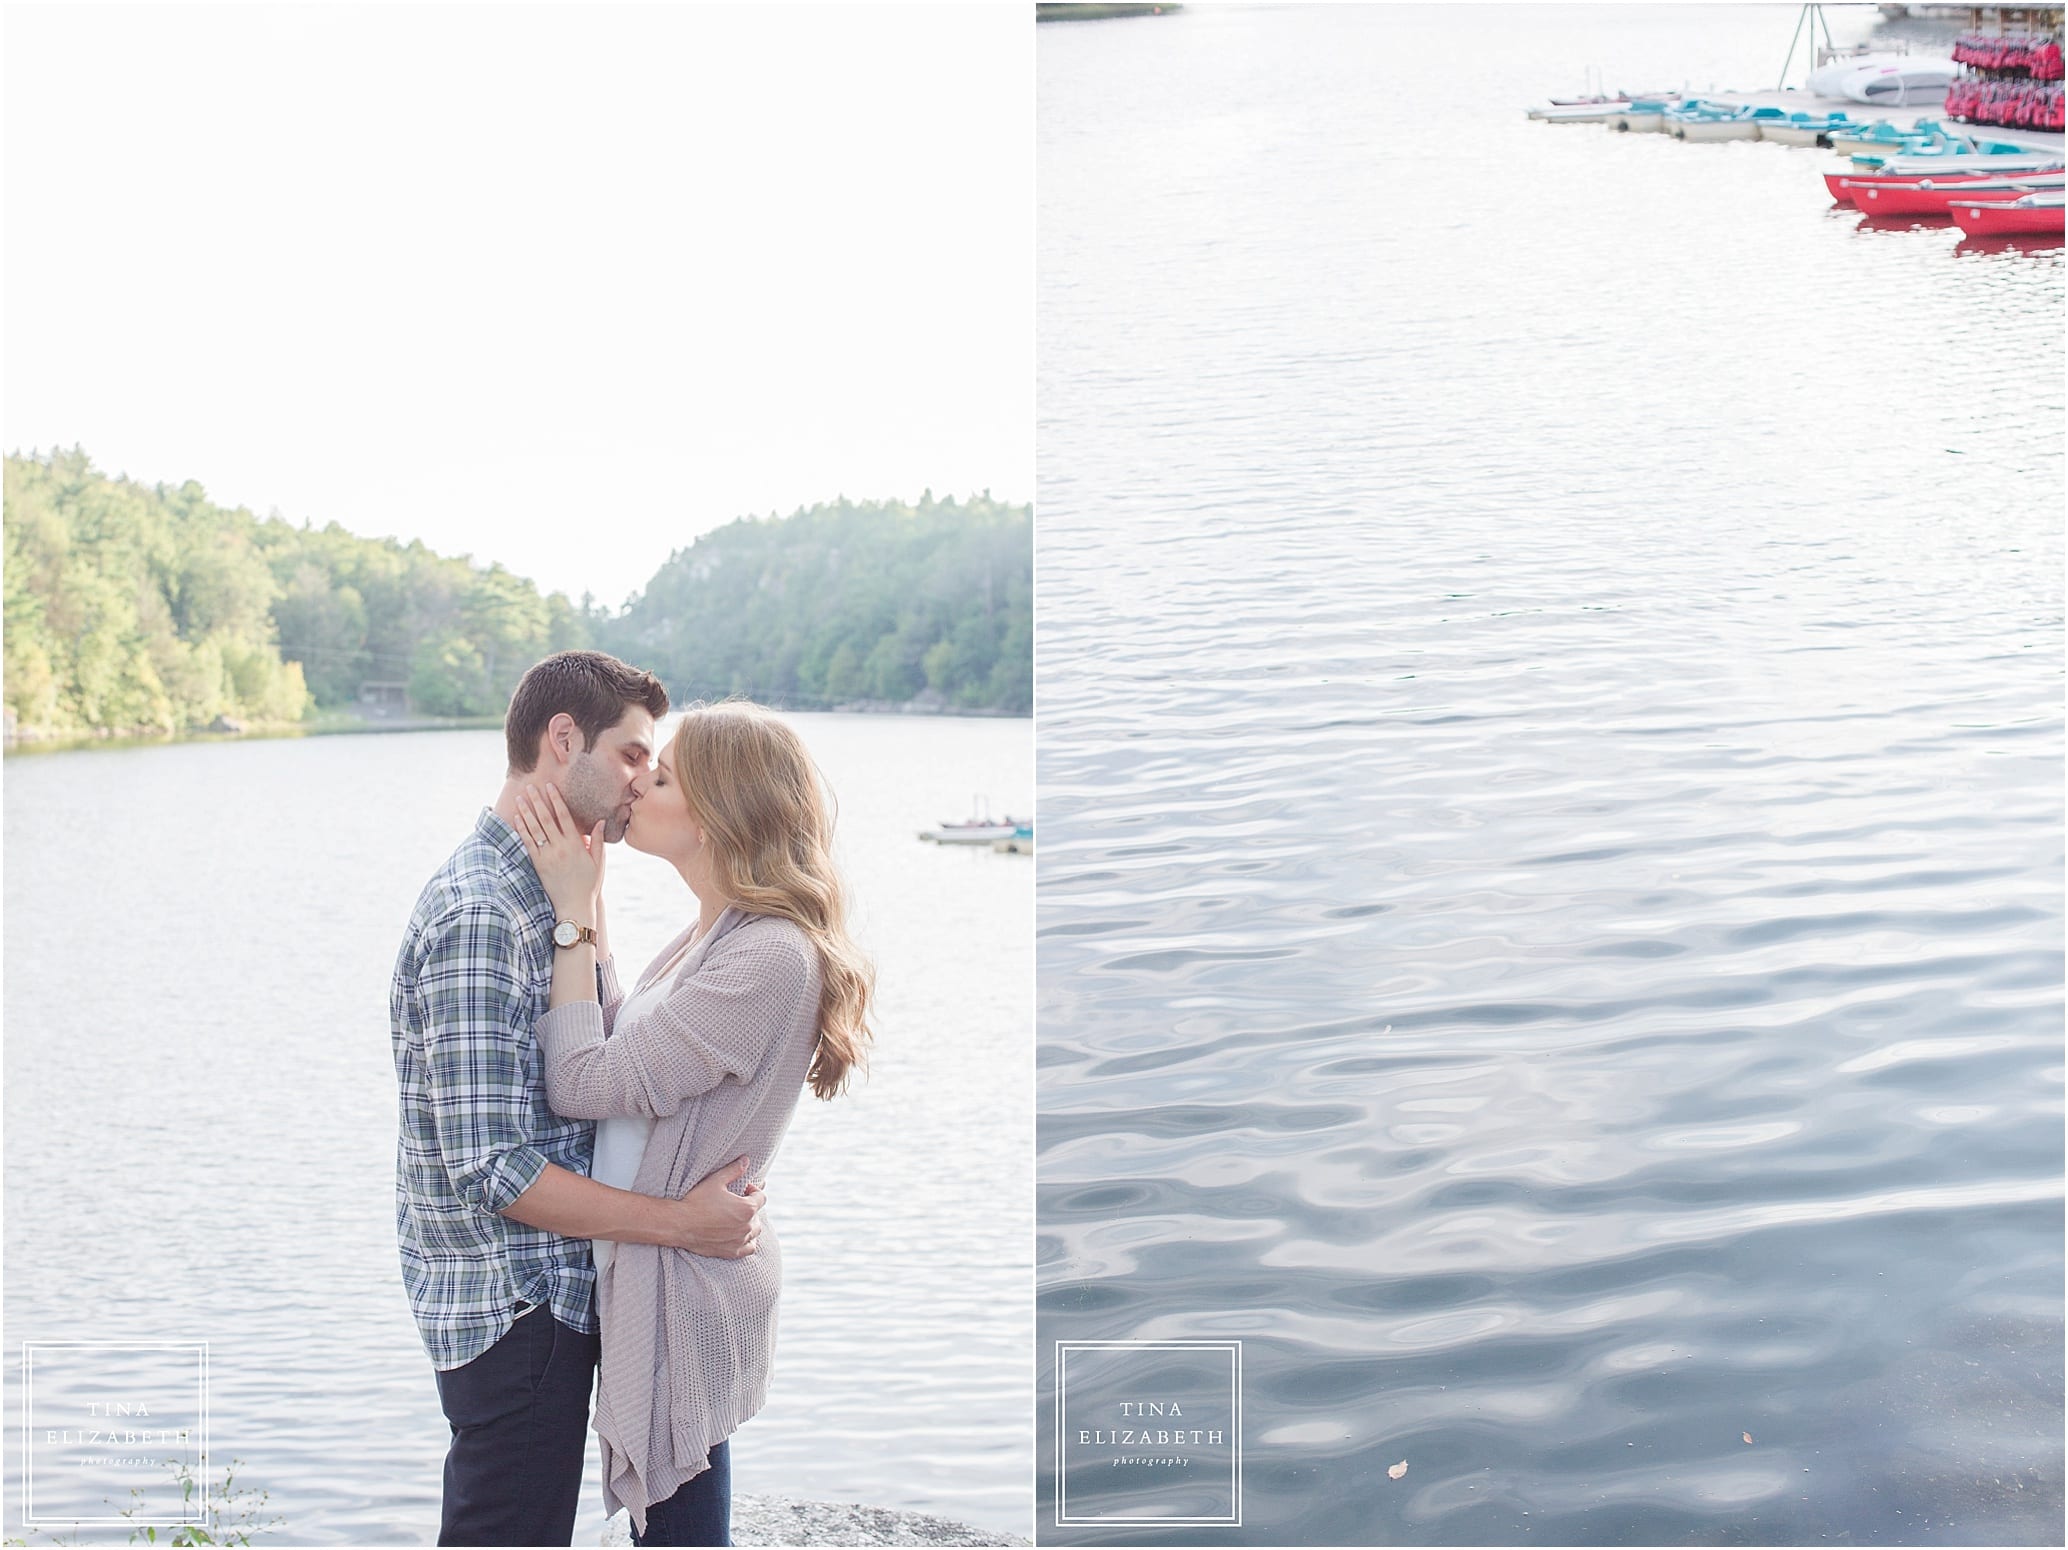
1933,197
2003,220
1844,185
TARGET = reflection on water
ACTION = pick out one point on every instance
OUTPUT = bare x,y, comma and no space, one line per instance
200,1122
1549,705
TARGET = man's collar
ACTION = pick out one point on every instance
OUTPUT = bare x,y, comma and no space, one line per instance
495,828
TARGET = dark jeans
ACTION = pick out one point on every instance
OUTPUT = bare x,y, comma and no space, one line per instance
700,1511
520,1436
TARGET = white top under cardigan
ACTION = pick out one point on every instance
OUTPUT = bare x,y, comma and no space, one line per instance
719,1061
621,1139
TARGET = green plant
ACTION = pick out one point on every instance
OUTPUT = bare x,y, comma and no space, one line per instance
230,1513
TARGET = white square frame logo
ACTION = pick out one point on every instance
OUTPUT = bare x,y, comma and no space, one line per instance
1234,1349
192,1511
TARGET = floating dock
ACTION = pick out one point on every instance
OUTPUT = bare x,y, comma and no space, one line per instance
1795,100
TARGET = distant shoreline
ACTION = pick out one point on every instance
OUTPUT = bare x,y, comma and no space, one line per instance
34,741
1097,12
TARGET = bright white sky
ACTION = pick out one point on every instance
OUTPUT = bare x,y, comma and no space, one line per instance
561,286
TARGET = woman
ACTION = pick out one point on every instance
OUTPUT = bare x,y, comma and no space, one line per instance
701,1064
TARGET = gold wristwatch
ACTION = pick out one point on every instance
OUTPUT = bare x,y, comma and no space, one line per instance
568,934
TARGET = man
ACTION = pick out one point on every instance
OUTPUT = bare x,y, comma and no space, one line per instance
494,1208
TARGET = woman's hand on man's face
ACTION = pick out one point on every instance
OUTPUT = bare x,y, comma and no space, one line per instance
569,863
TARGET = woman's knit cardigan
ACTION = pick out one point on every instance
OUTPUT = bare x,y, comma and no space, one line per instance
720,1062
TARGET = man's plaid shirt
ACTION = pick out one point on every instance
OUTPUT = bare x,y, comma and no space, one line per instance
471,980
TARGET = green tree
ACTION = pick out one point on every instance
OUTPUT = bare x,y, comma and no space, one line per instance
133,607
843,601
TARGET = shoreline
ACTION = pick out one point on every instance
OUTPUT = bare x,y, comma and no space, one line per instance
37,740
1093,11
783,1520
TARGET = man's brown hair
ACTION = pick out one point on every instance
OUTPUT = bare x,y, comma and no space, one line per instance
591,686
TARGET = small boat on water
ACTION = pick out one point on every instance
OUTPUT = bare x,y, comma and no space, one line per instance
1845,186
1600,115
1993,166
971,833
1644,116
1559,107
2036,215
1927,137
1711,123
980,830
1621,96
1881,135
1932,197
1950,148
1594,110
1803,128
1704,129
967,833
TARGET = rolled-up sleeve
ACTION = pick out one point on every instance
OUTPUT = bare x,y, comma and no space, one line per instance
473,982
720,1021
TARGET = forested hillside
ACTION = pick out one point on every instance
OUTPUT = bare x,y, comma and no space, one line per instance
133,607
847,601
145,608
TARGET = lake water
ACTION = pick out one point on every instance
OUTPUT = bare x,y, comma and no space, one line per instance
1549,710
200,1116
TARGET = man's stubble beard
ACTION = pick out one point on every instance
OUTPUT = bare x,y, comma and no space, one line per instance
592,797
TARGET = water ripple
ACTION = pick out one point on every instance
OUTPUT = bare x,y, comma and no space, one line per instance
1550,895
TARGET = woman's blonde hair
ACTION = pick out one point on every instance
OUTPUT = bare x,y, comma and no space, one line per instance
747,778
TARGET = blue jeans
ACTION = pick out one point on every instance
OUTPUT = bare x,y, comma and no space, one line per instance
519,1414
700,1511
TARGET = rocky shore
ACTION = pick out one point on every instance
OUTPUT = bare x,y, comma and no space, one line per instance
777,1520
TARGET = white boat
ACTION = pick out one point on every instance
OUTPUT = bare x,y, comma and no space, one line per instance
1885,79
2030,183
1644,123
981,830
1791,134
1785,131
969,833
1590,105
1933,166
1592,115
1925,81
1597,110
1714,128
1825,79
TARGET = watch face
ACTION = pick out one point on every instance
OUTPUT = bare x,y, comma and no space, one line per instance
566,934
